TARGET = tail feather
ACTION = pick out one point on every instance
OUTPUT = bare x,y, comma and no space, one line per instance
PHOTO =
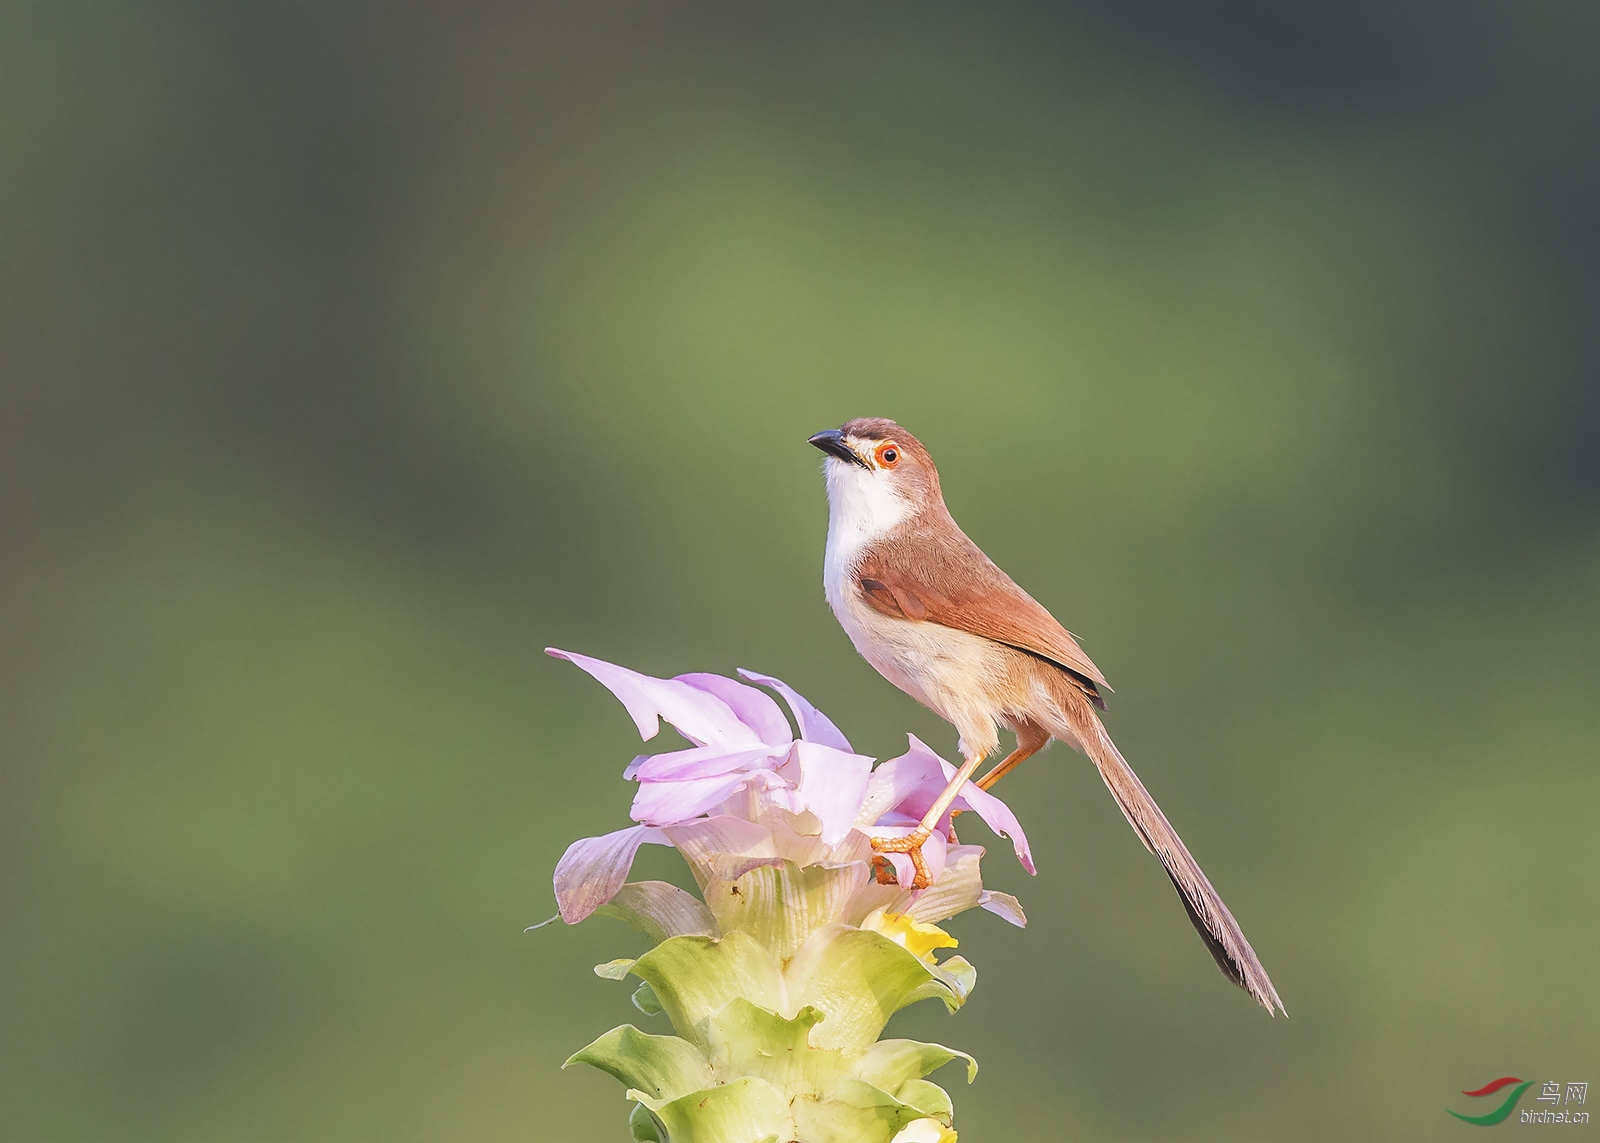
1209,915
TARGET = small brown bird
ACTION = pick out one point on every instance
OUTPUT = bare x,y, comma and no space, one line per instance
940,621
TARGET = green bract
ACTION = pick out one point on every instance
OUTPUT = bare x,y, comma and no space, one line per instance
777,1007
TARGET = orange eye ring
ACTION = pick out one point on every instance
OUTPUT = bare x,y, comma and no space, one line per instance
887,454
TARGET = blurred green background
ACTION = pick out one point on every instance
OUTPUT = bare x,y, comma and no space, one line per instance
352,354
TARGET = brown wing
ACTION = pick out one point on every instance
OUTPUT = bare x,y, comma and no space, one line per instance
975,596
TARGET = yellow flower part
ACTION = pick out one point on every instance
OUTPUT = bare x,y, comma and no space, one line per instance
910,934
925,1131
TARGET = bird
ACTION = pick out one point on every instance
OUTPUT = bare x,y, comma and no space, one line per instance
934,616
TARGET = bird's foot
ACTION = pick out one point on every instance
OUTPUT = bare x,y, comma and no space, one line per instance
910,844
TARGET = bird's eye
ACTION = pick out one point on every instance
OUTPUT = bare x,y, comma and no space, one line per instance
888,455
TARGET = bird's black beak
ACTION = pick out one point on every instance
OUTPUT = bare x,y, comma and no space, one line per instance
832,443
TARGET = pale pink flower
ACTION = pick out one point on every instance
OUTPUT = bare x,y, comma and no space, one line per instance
747,793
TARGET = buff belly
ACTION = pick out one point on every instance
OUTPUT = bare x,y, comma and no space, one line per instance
975,684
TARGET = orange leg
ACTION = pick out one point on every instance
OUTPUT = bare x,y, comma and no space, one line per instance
1030,740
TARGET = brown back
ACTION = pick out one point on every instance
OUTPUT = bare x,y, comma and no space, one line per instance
898,574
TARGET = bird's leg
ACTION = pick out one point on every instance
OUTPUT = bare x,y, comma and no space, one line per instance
1019,755
912,842
1031,738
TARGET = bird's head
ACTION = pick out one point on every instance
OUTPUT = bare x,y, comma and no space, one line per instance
878,474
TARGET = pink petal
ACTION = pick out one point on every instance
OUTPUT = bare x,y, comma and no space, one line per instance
669,803
754,708
896,818
1003,905
723,847
895,783
784,797
814,725
998,817
809,849
697,762
593,869
832,784
700,716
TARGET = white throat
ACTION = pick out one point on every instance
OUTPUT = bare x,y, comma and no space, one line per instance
863,507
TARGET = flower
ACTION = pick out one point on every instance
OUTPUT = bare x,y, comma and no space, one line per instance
748,793
779,977
918,938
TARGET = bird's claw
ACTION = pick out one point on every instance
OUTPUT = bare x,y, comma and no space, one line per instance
910,844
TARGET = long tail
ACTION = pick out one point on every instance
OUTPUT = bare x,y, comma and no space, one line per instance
1210,916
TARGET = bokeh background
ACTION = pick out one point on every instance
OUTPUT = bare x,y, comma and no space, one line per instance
353,353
